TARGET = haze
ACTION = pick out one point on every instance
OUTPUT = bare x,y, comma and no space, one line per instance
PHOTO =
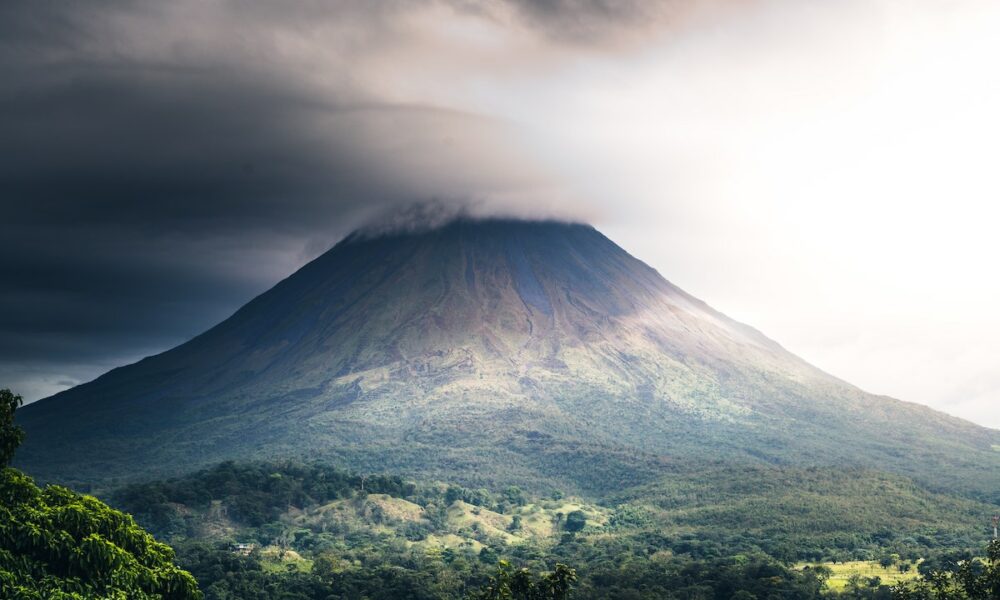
822,171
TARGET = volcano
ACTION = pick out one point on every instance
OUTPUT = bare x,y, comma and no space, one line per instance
536,353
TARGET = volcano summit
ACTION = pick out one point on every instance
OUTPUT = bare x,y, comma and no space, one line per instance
537,353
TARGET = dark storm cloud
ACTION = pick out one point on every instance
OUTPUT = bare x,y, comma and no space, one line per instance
122,180
599,21
163,162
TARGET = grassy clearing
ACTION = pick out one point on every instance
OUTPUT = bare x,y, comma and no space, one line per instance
842,572
538,520
279,560
396,508
465,526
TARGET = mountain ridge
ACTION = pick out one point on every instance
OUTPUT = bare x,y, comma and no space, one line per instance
484,345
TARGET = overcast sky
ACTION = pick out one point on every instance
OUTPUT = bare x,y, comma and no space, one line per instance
825,171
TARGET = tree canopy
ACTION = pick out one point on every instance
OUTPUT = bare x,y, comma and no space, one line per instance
521,584
972,579
58,544
11,435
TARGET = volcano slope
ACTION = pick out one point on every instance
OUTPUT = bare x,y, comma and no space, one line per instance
490,352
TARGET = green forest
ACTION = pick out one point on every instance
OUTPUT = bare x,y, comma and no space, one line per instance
254,530
300,530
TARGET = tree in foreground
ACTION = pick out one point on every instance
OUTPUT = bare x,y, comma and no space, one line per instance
972,579
11,435
521,584
59,545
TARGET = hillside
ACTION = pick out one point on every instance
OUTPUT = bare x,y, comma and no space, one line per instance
489,353
795,513
302,522
790,513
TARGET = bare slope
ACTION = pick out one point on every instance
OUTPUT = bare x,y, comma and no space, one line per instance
489,351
